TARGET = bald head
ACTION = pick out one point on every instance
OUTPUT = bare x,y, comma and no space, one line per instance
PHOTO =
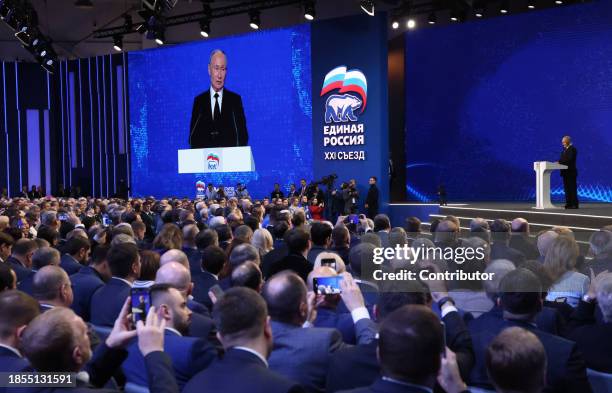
520,225
545,241
285,295
190,232
247,275
51,285
174,256
175,274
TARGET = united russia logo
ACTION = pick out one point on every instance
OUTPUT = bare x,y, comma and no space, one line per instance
340,108
213,161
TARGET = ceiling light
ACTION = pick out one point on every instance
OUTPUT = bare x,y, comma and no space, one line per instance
395,25
118,43
432,19
504,8
309,10
367,6
160,36
205,28
411,24
255,20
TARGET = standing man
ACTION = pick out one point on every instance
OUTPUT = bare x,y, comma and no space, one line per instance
217,119
568,157
371,202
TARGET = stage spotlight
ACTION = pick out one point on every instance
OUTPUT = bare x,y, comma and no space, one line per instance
504,7
160,36
205,28
531,4
309,11
411,24
367,6
395,25
432,19
85,4
558,2
118,43
255,20
455,16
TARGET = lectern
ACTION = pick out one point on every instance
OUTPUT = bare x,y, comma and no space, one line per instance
543,169
219,160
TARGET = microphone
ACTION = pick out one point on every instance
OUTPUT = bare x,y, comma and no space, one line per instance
193,128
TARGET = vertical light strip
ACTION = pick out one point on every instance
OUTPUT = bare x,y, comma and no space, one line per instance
8,173
33,145
99,124
73,131
67,134
61,82
105,127
48,92
82,144
47,152
91,127
112,94
127,127
18,124
120,112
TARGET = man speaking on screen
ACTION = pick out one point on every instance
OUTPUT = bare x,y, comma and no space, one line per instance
217,119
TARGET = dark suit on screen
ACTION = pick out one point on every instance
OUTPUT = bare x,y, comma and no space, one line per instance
237,372
569,175
228,131
84,284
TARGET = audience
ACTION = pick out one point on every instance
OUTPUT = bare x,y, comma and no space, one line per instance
520,321
244,328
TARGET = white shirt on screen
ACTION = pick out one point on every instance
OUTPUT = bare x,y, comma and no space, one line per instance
212,100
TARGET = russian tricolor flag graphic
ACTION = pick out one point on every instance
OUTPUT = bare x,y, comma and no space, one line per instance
346,81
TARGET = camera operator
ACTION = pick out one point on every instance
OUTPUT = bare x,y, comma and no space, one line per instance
350,195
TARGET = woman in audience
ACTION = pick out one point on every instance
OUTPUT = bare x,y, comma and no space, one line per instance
170,237
262,240
560,263
149,264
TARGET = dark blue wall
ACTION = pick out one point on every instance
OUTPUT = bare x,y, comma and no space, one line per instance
486,99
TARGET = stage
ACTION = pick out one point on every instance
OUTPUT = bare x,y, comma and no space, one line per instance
583,222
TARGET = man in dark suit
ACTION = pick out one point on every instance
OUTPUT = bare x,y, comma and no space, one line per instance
303,354
189,355
520,240
76,254
569,175
320,234
21,258
371,202
246,335
190,232
106,302
22,309
358,366
410,348
57,341
213,260
500,235
217,118
88,280
6,246
298,242
52,288
593,336
42,257
521,300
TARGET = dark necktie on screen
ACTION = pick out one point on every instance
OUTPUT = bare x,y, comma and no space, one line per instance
217,111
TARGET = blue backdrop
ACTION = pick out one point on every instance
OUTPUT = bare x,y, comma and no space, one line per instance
486,99
269,69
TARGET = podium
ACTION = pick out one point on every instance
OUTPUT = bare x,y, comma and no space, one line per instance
216,160
543,169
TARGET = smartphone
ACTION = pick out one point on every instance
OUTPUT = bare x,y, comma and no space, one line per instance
62,216
106,221
331,262
141,303
327,285
443,325
354,218
217,291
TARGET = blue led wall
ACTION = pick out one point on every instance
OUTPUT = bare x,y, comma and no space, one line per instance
271,71
486,99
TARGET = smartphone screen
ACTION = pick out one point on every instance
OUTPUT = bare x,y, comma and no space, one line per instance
331,262
217,291
327,285
354,218
141,303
